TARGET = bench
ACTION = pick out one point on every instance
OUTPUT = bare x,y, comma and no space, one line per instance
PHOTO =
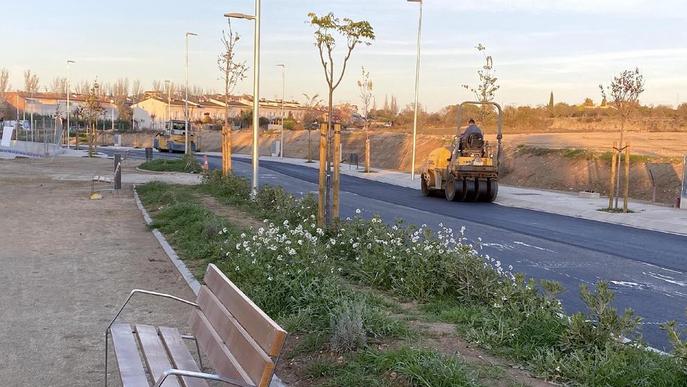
241,342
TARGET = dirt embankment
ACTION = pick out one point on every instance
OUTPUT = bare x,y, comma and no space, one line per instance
560,161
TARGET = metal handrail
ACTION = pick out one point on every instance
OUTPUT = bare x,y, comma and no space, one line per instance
200,375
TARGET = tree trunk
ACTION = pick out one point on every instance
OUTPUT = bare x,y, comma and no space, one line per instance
330,152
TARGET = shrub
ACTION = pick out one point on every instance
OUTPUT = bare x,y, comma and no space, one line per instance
348,333
602,326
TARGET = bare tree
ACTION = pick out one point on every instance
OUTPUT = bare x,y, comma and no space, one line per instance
58,85
4,81
158,86
365,85
136,90
120,95
355,33
231,70
82,87
487,87
4,88
31,82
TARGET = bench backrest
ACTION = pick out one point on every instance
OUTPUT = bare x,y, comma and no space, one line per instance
240,340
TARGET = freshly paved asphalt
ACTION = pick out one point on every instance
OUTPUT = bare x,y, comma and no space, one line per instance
647,269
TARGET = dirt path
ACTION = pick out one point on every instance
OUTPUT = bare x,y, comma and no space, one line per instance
67,264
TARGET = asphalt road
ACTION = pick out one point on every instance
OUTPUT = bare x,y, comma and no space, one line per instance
646,269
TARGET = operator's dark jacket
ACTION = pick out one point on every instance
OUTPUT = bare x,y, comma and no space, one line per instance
471,129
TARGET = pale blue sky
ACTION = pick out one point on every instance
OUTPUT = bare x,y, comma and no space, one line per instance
564,46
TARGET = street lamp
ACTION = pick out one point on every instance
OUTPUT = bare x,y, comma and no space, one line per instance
256,89
112,106
417,88
283,95
169,102
69,62
186,99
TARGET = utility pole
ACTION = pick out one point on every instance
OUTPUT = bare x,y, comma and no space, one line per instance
186,99
417,89
283,94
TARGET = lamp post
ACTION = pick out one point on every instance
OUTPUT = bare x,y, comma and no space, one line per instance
417,88
186,99
256,89
283,95
169,102
112,106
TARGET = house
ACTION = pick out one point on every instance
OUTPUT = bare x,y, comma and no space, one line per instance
156,109
53,104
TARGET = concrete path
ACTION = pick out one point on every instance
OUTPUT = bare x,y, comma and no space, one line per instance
646,216
67,265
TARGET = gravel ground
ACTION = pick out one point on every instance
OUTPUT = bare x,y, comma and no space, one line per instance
67,265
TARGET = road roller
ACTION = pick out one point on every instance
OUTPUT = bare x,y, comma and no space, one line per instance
469,172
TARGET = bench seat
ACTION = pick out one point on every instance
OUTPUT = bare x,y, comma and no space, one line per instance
241,342
162,349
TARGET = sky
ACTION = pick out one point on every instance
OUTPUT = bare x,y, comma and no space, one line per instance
567,47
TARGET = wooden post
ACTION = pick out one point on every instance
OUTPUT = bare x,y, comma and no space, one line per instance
323,175
336,179
627,178
367,152
611,191
226,150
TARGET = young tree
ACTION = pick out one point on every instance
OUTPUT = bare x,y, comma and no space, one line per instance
355,33
311,117
487,87
365,85
91,112
624,92
232,72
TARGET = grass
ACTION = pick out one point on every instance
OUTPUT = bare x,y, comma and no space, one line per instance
333,288
615,210
399,367
187,164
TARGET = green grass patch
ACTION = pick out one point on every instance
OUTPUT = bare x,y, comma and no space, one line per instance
187,164
401,367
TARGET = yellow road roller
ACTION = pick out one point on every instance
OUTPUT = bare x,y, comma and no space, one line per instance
470,171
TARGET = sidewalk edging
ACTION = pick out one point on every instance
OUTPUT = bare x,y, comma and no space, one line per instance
181,267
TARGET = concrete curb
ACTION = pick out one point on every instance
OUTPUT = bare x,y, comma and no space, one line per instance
183,270
190,279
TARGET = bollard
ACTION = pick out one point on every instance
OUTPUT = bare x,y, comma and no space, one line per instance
117,171
149,154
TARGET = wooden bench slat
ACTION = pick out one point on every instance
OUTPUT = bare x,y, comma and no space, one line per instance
267,333
247,352
128,360
222,360
155,354
181,356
